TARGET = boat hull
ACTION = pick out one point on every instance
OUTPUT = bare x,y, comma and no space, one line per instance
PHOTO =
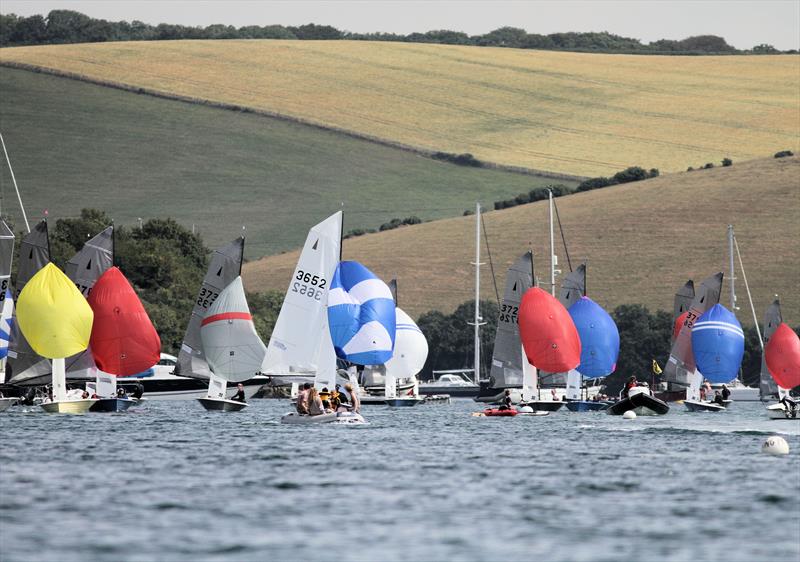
699,406
780,411
219,405
586,406
171,387
497,413
642,404
6,403
457,391
112,405
543,405
68,406
334,418
404,402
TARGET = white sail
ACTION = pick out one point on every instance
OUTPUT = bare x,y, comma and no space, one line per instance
530,379
301,342
574,384
410,348
231,344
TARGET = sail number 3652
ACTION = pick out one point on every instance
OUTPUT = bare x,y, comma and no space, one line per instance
308,285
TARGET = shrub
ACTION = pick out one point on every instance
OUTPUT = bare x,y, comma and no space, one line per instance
594,183
465,159
727,162
690,169
654,173
708,166
784,153
634,173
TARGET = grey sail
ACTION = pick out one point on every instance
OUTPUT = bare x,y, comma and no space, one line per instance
84,269
767,388
681,359
683,300
506,369
26,366
7,239
226,265
573,287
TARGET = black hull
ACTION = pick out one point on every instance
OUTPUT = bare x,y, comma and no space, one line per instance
640,400
456,391
112,405
543,405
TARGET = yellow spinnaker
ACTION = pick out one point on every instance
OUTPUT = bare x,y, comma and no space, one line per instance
53,315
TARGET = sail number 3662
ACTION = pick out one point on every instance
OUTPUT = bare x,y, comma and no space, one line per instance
308,285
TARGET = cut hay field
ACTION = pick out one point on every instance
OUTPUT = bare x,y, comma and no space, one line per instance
76,145
642,241
573,113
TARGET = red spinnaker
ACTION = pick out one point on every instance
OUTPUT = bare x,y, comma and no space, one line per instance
124,341
679,321
548,334
782,354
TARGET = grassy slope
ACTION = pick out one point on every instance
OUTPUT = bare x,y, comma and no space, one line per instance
642,240
583,114
76,145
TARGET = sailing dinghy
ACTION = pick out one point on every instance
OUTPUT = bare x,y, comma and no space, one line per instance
780,366
233,349
56,321
7,240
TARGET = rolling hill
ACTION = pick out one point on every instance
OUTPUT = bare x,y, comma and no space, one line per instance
76,145
579,114
642,241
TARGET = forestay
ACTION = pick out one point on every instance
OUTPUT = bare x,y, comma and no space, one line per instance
226,265
230,341
680,366
507,356
300,341
34,254
767,387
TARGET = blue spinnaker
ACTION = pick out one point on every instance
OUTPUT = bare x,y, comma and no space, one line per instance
599,338
718,344
361,315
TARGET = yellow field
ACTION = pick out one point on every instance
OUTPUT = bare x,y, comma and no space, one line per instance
642,241
582,114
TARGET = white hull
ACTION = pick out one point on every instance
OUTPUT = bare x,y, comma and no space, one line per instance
6,403
702,406
336,418
68,406
779,412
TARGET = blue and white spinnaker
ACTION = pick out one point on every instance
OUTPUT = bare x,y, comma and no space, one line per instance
361,315
718,344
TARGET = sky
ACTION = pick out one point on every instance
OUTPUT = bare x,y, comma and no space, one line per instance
743,23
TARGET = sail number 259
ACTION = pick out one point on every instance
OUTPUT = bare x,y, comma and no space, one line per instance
309,285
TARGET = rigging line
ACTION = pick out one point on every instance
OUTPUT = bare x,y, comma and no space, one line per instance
491,265
13,179
563,239
749,297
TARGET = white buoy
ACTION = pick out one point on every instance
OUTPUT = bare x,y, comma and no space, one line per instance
775,445
525,410
629,415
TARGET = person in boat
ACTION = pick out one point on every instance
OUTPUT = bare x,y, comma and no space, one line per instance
239,396
84,395
553,395
629,385
725,392
702,393
314,403
707,387
506,402
718,398
138,391
302,399
121,393
335,401
355,402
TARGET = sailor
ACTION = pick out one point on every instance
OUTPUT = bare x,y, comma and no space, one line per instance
315,406
725,392
137,393
239,396
629,385
553,395
121,393
334,400
506,402
353,398
302,399
718,398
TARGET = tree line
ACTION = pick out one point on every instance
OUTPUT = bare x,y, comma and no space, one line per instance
165,262
68,26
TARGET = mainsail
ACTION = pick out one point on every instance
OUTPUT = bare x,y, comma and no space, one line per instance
226,265
683,301
767,387
507,357
230,341
124,341
718,344
300,341
34,254
681,364
6,299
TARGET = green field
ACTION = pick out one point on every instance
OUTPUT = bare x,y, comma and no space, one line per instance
76,145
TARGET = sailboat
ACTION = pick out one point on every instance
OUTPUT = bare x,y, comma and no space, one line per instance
780,366
232,347
7,240
57,322
599,348
123,341
225,266
408,357
718,348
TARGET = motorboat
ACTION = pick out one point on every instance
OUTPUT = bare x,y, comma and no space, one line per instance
337,418
453,383
641,401
703,406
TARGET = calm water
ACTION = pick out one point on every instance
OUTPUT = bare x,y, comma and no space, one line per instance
172,482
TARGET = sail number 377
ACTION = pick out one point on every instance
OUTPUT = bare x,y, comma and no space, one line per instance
311,286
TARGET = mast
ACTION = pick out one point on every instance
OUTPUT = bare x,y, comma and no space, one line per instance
477,319
730,259
552,244
16,188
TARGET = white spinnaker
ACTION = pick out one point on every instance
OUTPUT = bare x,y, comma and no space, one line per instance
231,344
298,342
410,348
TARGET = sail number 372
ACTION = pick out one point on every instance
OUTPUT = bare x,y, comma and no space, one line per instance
308,285
508,314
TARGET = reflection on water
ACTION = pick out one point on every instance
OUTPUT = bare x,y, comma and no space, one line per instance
174,482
